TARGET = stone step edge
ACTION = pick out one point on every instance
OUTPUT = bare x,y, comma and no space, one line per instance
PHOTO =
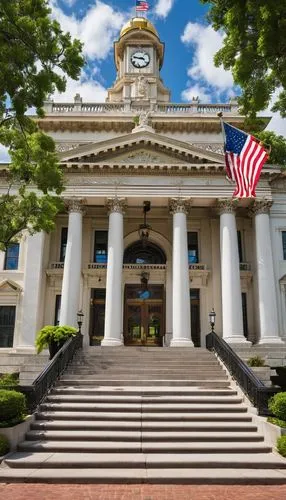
148,476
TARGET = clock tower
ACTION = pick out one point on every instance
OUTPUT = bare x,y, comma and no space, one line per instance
139,56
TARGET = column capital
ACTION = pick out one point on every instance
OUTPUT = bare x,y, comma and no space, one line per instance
260,207
226,206
180,205
118,205
75,205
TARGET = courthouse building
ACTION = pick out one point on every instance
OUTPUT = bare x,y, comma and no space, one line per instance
151,239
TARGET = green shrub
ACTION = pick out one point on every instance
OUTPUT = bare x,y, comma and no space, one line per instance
12,406
281,445
4,445
277,405
52,333
8,380
277,421
256,361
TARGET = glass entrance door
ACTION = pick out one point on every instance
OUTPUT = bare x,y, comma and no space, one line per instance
144,323
144,316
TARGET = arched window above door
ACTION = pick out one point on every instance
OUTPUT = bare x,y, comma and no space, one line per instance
150,253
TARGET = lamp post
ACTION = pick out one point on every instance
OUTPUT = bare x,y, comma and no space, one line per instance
212,316
80,316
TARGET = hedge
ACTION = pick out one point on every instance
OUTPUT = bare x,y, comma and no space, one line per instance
4,445
281,445
12,406
277,405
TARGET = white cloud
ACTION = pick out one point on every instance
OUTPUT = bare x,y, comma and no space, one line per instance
4,156
207,42
163,7
277,123
97,29
196,91
89,89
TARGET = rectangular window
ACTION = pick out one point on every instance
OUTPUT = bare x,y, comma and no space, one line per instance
100,247
193,247
195,316
244,314
57,309
12,257
64,239
239,242
7,325
284,244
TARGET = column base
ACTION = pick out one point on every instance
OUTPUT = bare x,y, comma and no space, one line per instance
111,343
237,340
181,343
270,341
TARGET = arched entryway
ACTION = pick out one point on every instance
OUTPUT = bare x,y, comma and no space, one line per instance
144,303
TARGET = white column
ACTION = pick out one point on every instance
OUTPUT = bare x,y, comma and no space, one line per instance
267,301
181,286
34,289
72,266
113,302
232,321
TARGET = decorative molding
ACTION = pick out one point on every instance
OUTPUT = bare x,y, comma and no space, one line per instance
226,206
211,148
62,147
180,205
11,287
75,205
143,157
118,205
260,207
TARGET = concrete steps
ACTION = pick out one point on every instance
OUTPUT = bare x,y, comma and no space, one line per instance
144,415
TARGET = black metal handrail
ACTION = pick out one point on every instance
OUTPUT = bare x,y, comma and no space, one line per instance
256,391
37,391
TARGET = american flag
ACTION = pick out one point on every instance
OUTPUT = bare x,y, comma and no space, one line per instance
244,158
142,6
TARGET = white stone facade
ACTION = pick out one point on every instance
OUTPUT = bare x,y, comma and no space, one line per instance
172,157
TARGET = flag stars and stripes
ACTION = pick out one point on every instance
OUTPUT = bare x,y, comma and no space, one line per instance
244,158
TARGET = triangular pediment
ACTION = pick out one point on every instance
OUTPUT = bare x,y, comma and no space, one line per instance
141,148
9,286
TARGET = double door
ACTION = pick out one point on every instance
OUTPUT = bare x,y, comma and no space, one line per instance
144,322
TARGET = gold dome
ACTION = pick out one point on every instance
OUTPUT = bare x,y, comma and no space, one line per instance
140,23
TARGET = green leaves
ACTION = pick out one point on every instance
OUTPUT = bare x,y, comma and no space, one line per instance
254,49
35,59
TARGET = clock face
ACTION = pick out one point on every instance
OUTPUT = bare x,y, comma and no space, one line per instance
140,59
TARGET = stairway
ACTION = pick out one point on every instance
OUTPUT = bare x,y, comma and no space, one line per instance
152,415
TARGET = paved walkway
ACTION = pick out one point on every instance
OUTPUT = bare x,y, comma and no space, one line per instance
139,492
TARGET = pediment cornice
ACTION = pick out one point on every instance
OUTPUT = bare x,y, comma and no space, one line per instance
142,146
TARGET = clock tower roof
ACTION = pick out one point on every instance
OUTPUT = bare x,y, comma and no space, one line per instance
140,23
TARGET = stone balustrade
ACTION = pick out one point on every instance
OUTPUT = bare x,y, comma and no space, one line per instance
168,108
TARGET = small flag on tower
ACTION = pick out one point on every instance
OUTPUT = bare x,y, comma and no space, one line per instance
142,6
244,158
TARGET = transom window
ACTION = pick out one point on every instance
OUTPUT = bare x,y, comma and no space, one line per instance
137,253
12,257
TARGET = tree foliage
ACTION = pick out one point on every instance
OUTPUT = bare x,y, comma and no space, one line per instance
36,56
277,145
254,49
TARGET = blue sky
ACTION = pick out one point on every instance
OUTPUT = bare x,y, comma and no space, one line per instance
190,44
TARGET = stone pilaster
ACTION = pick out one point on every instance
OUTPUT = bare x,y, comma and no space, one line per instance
179,208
